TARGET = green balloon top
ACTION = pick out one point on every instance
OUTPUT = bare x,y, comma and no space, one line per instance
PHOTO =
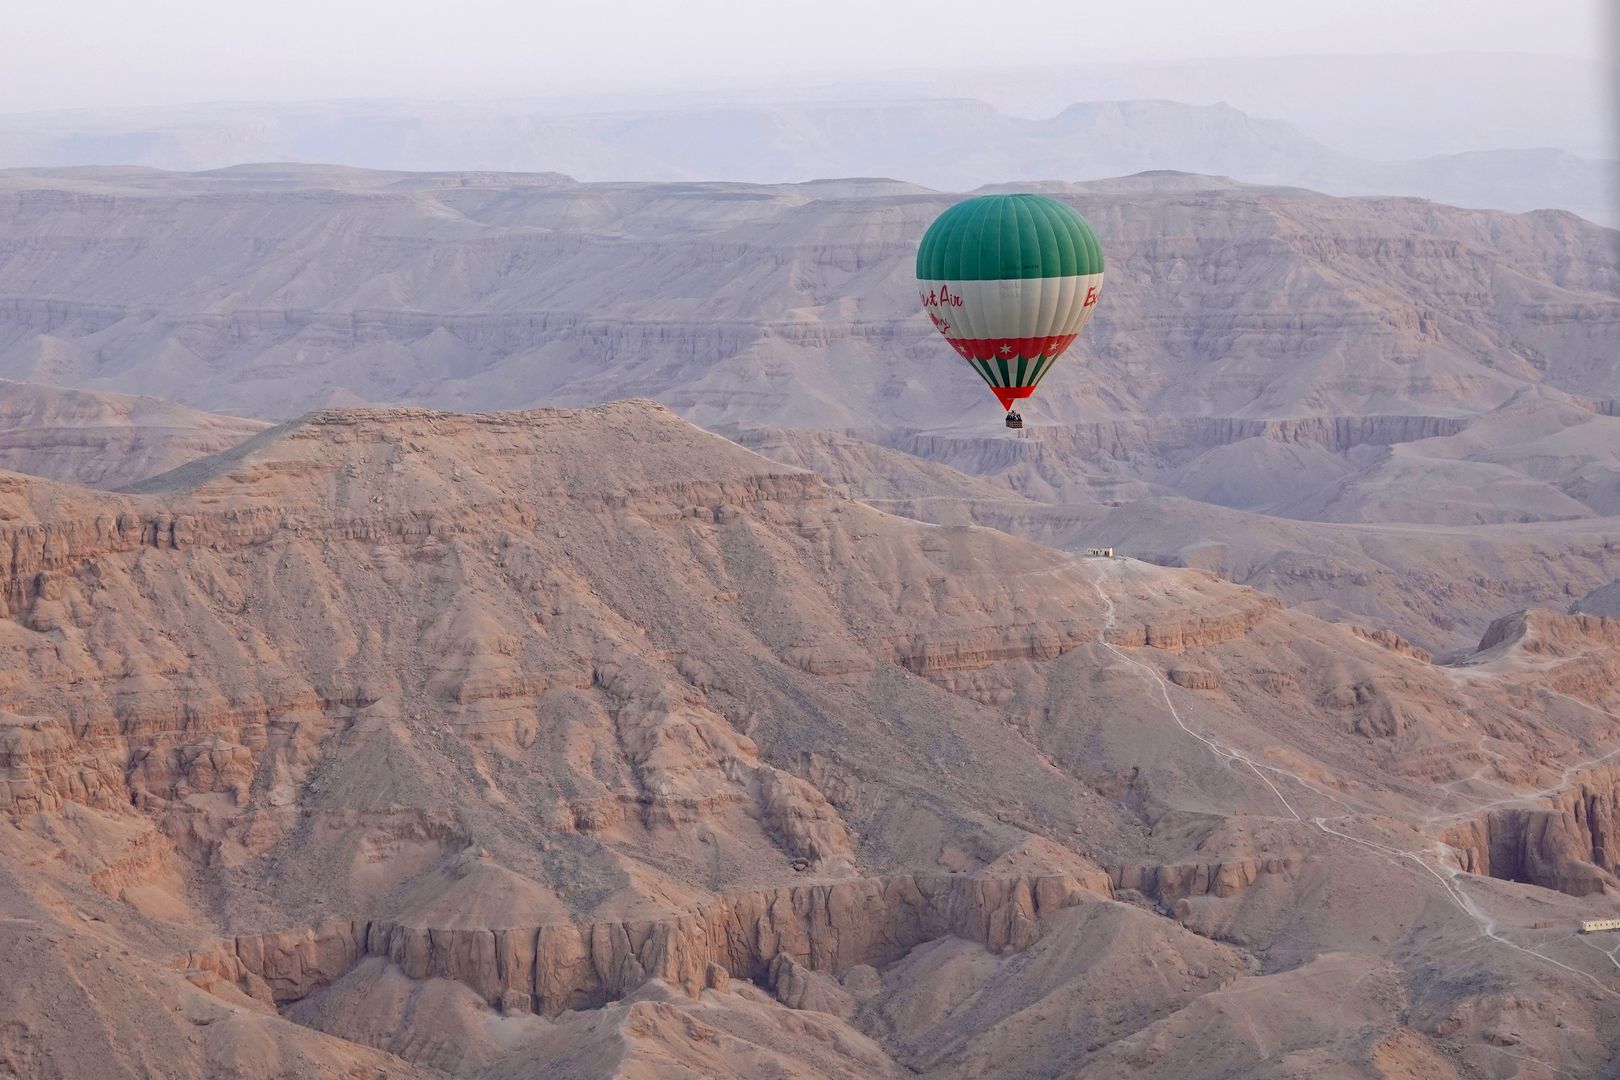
996,237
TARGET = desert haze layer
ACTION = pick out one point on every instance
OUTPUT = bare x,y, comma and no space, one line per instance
1506,131
587,743
952,142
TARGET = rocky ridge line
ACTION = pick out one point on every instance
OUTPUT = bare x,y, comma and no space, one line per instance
558,967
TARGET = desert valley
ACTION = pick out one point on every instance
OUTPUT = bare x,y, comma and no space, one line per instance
346,739
501,578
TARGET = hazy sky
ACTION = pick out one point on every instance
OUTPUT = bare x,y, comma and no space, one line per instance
72,53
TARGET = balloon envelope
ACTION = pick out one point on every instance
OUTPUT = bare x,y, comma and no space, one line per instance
1010,280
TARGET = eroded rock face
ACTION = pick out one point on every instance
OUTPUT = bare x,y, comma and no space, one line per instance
1174,635
1392,641
799,987
1551,633
1575,654
1176,631
1194,678
1574,847
754,936
1168,884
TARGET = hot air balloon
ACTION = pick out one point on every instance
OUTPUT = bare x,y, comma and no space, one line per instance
1010,280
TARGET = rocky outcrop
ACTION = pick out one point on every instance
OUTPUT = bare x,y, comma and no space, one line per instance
159,748
1174,631
1168,883
39,769
690,762
931,656
1551,633
750,935
1392,641
1574,847
801,987
1194,678
940,656
1576,654
1386,705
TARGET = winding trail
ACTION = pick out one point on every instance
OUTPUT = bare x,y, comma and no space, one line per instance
1613,954
1442,867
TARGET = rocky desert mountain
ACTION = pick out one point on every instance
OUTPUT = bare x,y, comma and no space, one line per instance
502,579
585,742
106,440
272,290
1406,105
1384,411
1430,526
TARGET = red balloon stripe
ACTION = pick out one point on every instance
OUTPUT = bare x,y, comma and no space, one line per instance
1011,348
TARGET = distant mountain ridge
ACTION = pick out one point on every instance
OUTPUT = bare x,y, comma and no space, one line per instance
273,290
1423,392
952,144
105,440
